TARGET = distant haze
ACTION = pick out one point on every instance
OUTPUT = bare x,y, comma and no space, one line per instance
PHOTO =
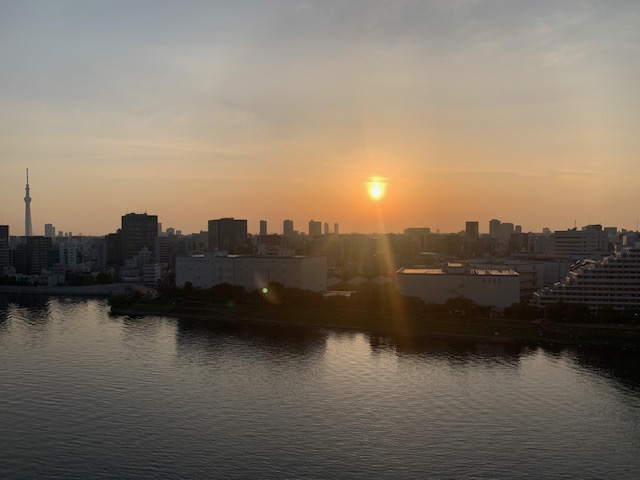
523,111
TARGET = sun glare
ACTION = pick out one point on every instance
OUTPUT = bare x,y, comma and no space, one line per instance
376,187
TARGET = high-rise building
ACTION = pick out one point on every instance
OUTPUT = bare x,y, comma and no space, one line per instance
263,227
49,230
32,255
28,230
4,246
287,228
315,228
139,231
472,231
326,228
228,234
494,227
336,229
506,229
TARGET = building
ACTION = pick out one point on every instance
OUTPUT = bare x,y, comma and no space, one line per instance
611,282
49,230
263,227
138,231
326,228
494,227
315,228
4,246
32,255
28,229
287,228
336,229
589,241
487,287
252,271
228,234
472,231
151,274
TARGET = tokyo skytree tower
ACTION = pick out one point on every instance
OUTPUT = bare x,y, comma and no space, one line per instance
28,231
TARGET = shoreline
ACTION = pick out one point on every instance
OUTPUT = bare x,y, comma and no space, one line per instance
505,331
72,291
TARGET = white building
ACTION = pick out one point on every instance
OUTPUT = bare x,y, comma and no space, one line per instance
611,282
588,241
252,271
151,274
485,286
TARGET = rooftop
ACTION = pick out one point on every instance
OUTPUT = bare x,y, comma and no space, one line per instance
468,271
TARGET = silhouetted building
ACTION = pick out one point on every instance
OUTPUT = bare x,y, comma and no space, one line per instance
315,228
287,228
494,227
32,255
139,231
114,248
472,231
28,229
506,229
336,229
263,227
49,230
228,234
4,246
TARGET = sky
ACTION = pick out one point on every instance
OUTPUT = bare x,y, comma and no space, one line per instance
193,110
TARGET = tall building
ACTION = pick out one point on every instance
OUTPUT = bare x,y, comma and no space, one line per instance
228,234
28,230
263,227
315,228
494,227
326,228
49,230
32,255
4,246
506,229
472,231
138,231
336,228
287,228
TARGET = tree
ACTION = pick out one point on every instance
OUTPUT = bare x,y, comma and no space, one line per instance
461,306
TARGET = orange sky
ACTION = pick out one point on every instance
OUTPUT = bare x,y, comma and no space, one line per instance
521,111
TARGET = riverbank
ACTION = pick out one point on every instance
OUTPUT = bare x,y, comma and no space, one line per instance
80,291
495,330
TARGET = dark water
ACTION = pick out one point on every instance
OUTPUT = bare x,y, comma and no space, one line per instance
86,395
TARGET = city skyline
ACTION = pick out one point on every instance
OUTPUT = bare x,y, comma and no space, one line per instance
469,111
302,226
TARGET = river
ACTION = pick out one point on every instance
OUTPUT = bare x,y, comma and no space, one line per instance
87,395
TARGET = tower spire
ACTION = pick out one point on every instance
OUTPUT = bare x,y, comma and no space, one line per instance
28,231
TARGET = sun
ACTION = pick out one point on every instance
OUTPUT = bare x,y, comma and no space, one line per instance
376,187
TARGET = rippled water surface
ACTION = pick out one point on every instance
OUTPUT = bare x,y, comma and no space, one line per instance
87,395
